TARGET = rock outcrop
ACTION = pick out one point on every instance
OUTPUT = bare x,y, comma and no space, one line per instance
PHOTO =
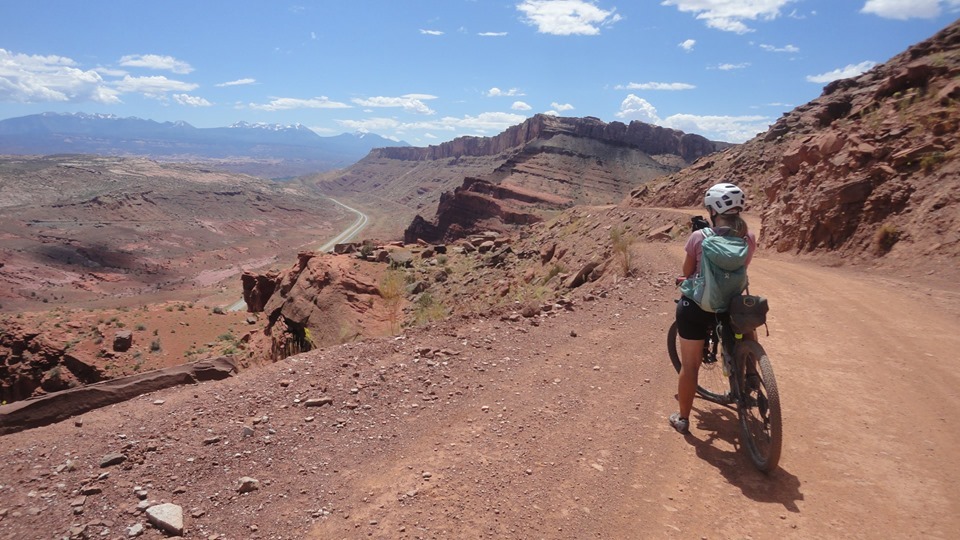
644,137
476,206
47,409
550,164
319,301
562,161
868,168
33,363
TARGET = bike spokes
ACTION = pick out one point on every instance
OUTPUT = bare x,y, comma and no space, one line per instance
759,409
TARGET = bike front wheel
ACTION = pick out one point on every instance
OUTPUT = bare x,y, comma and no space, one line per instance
712,384
759,407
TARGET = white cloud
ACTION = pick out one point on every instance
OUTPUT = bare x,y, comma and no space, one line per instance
492,34
729,15
908,9
494,122
192,101
851,70
490,123
723,128
637,108
729,67
566,17
655,86
285,104
562,107
735,129
788,48
155,61
154,87
687,45
39,79
409,102
371,124
520,106
238,82
496,92
430,136
431,32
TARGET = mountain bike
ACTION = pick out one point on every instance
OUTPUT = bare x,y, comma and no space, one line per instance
737,371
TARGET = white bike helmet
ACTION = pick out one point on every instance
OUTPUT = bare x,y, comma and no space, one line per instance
725,197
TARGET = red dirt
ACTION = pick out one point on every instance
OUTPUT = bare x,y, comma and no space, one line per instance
480,428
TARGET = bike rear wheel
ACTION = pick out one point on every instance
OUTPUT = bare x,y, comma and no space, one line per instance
759,407
712,384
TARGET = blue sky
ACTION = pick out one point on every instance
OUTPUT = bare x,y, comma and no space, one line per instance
427,71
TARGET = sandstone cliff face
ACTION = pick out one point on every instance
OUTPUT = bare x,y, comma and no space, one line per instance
476,206
584,160
869,167
553,163
644,137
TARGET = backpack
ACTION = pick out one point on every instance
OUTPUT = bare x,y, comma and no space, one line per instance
723,272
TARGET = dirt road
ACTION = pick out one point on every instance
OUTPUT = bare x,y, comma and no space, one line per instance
552,427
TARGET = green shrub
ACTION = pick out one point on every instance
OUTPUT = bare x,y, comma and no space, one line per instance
428,309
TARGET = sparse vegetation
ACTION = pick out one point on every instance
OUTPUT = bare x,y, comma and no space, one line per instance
155,345
621,242
931,160
554,271
391,290
218,310
366,249
885,238
428,309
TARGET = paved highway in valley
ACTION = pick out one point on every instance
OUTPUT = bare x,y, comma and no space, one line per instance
348,234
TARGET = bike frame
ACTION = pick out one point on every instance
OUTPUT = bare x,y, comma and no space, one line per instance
719,336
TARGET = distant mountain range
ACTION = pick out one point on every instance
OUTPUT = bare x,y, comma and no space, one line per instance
269,150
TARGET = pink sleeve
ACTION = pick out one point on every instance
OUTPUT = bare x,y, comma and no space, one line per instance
694,247
751,247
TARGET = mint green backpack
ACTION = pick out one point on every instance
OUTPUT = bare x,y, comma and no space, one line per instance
723,272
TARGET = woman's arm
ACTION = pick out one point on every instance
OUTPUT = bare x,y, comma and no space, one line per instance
689,265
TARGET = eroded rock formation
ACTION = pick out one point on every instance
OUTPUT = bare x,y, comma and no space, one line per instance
319,301
867,168
644,137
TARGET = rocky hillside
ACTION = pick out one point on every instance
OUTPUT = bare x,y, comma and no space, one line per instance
549,161
93,231
868,169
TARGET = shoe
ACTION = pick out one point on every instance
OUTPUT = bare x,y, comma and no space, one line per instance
682,425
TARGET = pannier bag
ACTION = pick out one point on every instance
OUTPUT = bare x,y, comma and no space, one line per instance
747,313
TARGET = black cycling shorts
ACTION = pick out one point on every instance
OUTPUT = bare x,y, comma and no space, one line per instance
692,322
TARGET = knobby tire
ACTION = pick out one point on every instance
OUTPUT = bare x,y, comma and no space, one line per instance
759,410
712,384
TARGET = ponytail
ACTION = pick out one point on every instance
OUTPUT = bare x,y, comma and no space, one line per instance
735,222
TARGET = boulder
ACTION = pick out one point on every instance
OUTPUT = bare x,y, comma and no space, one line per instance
167,517
122,341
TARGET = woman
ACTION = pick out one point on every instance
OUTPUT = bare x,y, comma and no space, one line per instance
724,202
